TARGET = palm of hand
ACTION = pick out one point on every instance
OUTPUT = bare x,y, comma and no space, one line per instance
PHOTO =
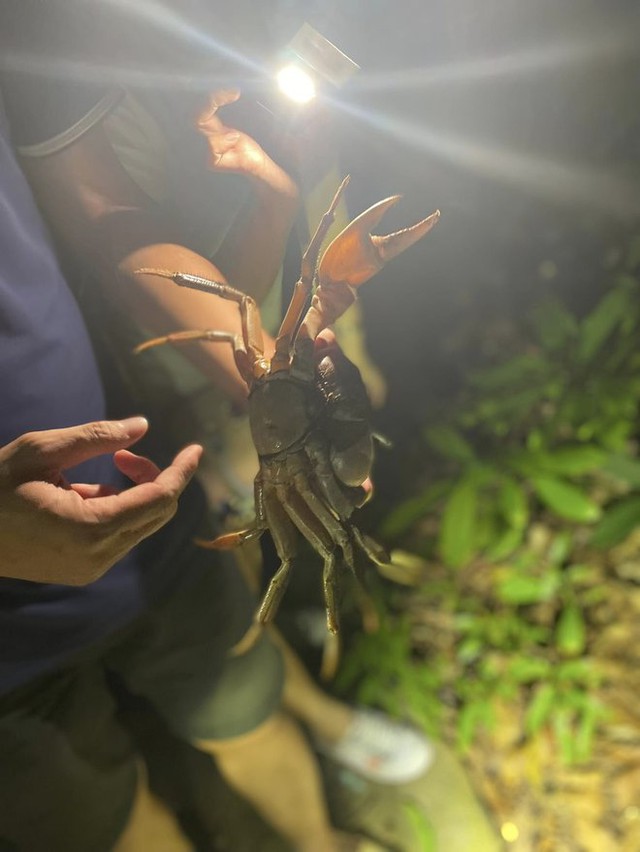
234,151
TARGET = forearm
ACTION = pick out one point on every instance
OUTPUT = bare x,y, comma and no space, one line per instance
253,249
252,252
100,218
162,307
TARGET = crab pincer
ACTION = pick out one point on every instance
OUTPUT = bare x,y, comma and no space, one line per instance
354,257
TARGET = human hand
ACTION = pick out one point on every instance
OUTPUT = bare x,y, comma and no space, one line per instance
233,151
57,532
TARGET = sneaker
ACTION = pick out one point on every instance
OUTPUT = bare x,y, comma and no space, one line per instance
380,749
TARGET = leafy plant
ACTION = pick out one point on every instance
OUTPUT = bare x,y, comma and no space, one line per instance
535,476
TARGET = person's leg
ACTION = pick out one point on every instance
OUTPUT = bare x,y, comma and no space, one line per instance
229,705
274,769
68,770
151,825
326,717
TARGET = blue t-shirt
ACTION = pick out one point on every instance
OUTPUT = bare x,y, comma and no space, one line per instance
49,379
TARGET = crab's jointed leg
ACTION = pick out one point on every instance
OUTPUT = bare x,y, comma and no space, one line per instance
231,540
240,353
286,333
249,312
285,540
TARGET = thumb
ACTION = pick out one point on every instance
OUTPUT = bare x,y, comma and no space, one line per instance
58,449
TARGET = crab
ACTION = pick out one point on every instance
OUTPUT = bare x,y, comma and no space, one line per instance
309,414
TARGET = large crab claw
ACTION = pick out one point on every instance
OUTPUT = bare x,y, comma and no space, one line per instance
356,254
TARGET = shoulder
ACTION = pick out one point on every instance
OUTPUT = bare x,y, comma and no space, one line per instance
53,83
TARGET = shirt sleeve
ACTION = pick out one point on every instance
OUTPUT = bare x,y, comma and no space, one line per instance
51,96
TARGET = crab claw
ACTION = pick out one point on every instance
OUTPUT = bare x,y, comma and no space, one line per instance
355,255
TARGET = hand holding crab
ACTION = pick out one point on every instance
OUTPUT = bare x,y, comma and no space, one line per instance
310,428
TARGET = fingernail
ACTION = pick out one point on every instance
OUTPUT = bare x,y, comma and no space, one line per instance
134,426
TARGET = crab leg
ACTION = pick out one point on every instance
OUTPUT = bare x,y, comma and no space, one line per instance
280,360
249,313
353,257
285,540
240,353
320,539
228,541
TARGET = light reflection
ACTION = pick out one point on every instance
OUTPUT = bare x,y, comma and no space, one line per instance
296,84
560,180
162,17
149,14
607,47
565,181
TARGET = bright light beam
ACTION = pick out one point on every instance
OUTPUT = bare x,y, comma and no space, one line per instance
160,16
614,45
581,185
149,13
62,68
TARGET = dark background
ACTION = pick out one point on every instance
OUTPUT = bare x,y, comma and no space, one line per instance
518,119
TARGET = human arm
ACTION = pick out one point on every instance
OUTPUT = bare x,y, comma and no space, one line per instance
72,533
252,250
98,213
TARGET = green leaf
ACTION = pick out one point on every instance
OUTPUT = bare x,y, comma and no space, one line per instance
458,526
470,649
425,838
587,725
513,505
560,547
487,525
517,371
572,460
618,521
539,709
565,499
449,443
554,324
600,323
411,511
505,544
563,730
472,716
571,631
615,436
580,670
520,589
529,669
623,468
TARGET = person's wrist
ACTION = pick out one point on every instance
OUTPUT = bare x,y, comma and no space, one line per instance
269,178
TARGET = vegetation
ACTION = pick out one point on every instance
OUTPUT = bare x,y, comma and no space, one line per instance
530,483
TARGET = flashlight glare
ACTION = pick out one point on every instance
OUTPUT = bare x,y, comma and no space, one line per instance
296,84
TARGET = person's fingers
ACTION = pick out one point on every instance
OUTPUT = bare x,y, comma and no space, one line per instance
90,490
326,339
220,143
367,487
217,99
137,468
58,449
175,478
139,505
131,510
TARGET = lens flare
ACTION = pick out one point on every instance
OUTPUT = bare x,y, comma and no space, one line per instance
296,83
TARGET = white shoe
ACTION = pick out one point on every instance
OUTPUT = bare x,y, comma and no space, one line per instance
380,749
